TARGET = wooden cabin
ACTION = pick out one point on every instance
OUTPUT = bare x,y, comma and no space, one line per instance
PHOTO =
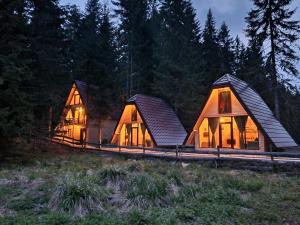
79,123
234,116
149,122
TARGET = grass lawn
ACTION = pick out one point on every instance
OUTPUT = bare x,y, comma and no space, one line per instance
59,187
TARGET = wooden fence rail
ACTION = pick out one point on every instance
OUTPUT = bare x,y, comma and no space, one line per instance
178,151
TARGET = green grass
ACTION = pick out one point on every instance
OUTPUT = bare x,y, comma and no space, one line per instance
71,188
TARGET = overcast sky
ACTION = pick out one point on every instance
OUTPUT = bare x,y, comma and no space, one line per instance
232,12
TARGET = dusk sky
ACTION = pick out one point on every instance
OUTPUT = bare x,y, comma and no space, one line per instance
232,12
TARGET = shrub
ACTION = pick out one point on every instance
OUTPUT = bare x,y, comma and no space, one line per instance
77,194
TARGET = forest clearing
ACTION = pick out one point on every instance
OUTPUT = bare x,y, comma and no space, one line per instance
162,112
53,186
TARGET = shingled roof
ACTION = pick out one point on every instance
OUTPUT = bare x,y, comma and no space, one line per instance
258,110
90,103
82,89
160,120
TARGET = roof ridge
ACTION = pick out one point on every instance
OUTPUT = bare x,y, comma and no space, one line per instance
228,77
133,98
75,80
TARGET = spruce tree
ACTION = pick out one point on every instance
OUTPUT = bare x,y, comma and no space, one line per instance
253,70
96,59
226,50
210,50
72,23
135,42
107,80
15,74
271,22
177,75
49,61
239,55
87,62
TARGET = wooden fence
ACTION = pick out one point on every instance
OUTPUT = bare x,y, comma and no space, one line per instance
182,152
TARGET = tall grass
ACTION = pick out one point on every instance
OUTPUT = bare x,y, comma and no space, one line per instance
112,174
77,194
144,191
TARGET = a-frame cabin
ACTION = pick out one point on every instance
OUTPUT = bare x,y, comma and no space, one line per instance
149,122
234,116
79,123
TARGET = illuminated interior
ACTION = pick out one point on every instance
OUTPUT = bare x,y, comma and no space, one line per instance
74,123
131,130
224,123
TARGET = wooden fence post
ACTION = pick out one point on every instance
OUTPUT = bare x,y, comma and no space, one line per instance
50,122
218,148
271,150
176,151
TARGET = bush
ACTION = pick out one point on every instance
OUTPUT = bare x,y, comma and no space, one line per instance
77,194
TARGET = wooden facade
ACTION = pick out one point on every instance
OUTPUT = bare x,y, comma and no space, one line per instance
234,116
78,124
148,122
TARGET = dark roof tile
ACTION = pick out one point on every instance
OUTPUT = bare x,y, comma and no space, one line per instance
161,120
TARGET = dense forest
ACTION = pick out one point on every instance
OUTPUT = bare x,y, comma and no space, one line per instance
155,47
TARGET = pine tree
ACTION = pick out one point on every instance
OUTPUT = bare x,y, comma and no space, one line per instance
239,55
72,23
135,42
177,74
210,50
49,61
107,80
15,74
96,59
225,43
87,62
253,70
272,23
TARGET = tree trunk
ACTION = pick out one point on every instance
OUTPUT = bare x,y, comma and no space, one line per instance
273,66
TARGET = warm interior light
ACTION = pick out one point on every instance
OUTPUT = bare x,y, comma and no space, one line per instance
80,109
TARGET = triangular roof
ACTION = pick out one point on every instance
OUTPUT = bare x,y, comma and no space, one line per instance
160,119
258,110
82,89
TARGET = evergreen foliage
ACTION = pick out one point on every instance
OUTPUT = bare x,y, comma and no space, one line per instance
49,65
210,50
226,50
151,47
178,71
15,74
272,23
135,42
